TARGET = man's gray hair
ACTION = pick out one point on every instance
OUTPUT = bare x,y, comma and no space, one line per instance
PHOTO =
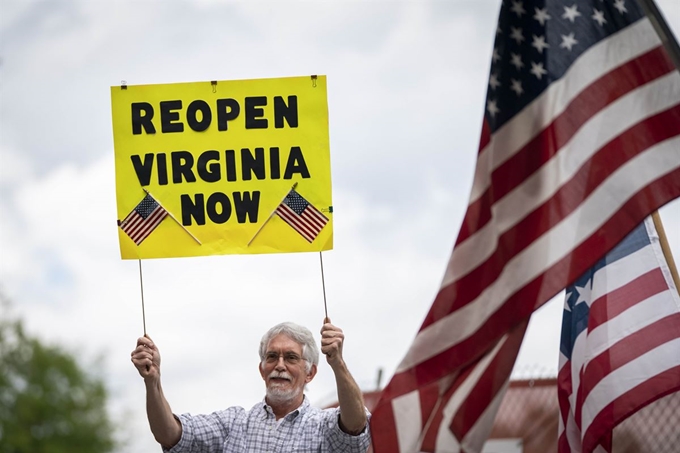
299,334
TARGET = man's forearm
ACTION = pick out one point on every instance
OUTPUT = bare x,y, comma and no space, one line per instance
351,401
166,429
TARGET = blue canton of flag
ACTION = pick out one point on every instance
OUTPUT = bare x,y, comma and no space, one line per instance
544,40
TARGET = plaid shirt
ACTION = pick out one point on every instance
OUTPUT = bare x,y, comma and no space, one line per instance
235,430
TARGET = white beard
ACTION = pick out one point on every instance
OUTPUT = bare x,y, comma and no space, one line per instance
278,395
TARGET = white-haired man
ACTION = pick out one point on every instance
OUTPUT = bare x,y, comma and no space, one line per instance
285,421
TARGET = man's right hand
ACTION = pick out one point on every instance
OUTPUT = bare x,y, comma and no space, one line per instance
147,359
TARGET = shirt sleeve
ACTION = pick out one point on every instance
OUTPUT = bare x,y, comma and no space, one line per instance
205,433
342,442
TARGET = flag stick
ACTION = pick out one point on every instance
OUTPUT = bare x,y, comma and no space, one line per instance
323,285
141,287
663,30
270,216
173,217
666,249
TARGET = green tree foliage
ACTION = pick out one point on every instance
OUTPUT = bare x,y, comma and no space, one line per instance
48,403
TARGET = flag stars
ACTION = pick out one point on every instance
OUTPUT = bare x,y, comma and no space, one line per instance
542,16
517,35
495,56
516,61
571,13
620,6
568,41
518,8
516,86
538,70
492,108
493,81
598,16
539,43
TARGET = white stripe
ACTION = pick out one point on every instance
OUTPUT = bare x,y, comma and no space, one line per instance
630,321
557,243
407,420
629,376
475,438
661,259
622,271
596,61
610,122
445,437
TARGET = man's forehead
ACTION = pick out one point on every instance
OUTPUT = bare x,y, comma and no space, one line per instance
284,342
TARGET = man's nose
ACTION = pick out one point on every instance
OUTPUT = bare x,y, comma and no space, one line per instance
280,363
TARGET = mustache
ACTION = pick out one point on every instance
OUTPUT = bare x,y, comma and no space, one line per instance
280,375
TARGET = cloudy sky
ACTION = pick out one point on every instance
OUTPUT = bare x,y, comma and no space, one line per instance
406,89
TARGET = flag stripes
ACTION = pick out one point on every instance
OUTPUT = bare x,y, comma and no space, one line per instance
556,187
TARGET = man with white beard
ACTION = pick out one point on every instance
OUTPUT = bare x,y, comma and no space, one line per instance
284,421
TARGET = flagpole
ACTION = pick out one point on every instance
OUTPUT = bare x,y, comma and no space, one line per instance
323,285
663,30
666,249
172,216
270,215
141,287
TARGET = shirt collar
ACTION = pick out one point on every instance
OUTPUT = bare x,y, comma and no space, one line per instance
268,411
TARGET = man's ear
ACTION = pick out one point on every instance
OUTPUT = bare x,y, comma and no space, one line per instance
311,374
259,367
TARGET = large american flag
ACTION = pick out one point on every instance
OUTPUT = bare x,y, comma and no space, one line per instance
143,219
580,142
620,347
301,215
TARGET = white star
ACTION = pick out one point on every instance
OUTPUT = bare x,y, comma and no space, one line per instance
516,61
583,294
495,56
619,5
518,9
538,70
493,81
517,87
571,13
516,34
492,108
498,30
568,41
542,15
539,43
598,16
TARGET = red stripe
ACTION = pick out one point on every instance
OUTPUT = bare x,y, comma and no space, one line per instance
489,384
566,200
132,221
544,146
564,390
522,303
633,346
628,403
610,305
433,425
563,443
383,429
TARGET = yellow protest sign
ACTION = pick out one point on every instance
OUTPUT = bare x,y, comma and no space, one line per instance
222,167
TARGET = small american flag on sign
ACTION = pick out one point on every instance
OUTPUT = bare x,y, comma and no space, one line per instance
301,215
143,219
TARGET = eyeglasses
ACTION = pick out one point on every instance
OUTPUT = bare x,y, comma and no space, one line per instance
290,358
